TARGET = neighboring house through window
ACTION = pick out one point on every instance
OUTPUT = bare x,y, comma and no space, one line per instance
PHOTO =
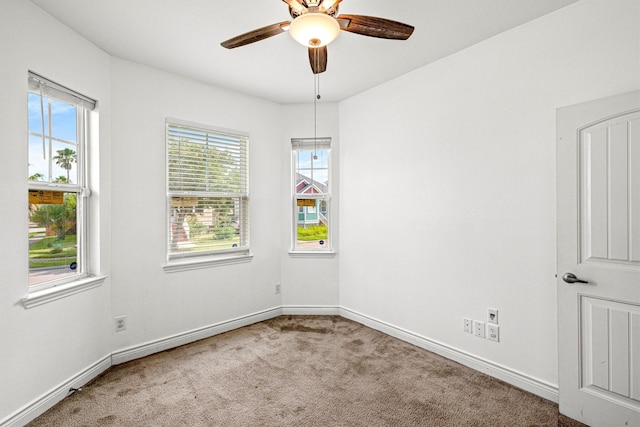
207,193
59,193
311,194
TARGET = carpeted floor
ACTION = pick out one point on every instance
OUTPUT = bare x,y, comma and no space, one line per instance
300,371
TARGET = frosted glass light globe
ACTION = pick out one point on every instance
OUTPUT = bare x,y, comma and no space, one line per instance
314,29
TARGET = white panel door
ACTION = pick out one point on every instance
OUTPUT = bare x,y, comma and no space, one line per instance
598,201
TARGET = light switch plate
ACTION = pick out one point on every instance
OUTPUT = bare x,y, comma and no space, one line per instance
478,329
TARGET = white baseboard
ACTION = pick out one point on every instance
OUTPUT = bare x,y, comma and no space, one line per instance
309,310
508,375
173,341
48,400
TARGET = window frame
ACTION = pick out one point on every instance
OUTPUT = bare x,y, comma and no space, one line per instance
306,144
85,278
210,257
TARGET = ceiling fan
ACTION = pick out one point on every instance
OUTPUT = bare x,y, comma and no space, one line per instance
316,23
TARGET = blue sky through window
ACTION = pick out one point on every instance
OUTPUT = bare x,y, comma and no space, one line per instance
63,135
317,169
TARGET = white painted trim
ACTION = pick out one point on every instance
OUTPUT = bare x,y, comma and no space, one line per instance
312,254
506,374
39,406
53,293
205,262
309,310
173,341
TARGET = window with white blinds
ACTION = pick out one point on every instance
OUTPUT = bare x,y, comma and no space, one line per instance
207,191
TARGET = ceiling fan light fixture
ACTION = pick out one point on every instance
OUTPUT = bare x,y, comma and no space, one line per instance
314,29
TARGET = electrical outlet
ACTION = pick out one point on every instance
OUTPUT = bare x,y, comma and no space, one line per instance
277,288
468,327
478,329
493,332
120,323
492,315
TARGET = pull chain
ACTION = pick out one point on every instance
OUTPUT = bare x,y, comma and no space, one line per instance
316,90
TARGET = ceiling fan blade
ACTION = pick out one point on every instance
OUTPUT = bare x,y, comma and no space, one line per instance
295,5
318,59
255,35
328,4
375,27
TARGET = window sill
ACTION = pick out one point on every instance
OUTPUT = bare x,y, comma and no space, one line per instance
312,254
53,293
175,266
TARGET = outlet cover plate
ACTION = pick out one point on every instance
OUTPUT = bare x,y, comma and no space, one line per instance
493,332
120,323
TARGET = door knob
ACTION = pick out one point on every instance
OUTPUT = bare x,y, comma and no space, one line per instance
571,278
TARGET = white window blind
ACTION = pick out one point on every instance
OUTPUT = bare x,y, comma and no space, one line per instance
208,190
323,143
47,88
207,162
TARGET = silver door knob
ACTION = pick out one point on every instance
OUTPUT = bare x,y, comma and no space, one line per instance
571,278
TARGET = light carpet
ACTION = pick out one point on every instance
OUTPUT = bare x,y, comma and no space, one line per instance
300,371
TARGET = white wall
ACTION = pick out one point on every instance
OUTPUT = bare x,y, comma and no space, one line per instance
455,162
310,280
159,304
43,347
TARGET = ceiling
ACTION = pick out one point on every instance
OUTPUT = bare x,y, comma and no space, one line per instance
183,37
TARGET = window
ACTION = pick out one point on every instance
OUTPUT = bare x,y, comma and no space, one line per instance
57,183
207,192
311,195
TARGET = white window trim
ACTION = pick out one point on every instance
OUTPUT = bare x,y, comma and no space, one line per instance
312,254
320,143
210,258
52,293
52,290
195,264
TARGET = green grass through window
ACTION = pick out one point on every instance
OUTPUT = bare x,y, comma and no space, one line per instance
313,232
